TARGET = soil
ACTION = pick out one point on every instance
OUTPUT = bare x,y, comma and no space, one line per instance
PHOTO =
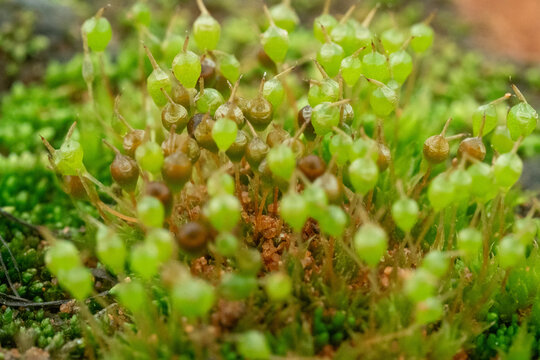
506,27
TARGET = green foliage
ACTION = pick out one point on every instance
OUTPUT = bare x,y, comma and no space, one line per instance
257,225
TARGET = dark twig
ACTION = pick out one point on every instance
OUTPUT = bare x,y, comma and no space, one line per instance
12,301
13,218
12,257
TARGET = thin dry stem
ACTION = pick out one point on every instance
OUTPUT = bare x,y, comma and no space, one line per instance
268,15
519,94
370,16
446,125
321,70
111,146
155,65
347,14
202,7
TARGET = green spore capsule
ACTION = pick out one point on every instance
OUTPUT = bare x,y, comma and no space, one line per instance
521,120
237,286
325,117
281,161
68,160
422,37
163,241
325,21
364,147
193,297
186,67
97,31
461,181
327,90
375,66
224,133
227,244
208,100
525,230
370,243
206,29
273,92
157,80
436,262
501,141
405,213
384,98
317,201
78,281
401,65
149,156
510,252
363,174
150,211
482,185
334,221
392,39
275,40
131,295
441,192
351,69
140,13
339,147
486,114
284,16
278,286
507,170
144,260
344,35
229,67
223,211
253,345
220,183
420,285
294,210
111,249
329,56
63,255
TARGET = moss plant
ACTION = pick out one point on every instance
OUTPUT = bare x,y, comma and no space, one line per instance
348,216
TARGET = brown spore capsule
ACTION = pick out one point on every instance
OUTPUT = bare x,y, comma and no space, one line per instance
132,140
237,150
436,149
192,236
74,186
473,147
160,191
193,123
125,172
312,166
176,171
384,158
256,151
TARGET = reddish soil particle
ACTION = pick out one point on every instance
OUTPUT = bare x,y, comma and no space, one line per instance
228,313
201,267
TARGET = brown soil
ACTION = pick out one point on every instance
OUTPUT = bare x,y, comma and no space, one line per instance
507,27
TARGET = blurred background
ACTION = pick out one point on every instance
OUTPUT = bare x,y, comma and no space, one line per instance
33,32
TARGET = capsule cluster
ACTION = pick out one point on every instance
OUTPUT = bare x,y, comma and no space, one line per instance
222,179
